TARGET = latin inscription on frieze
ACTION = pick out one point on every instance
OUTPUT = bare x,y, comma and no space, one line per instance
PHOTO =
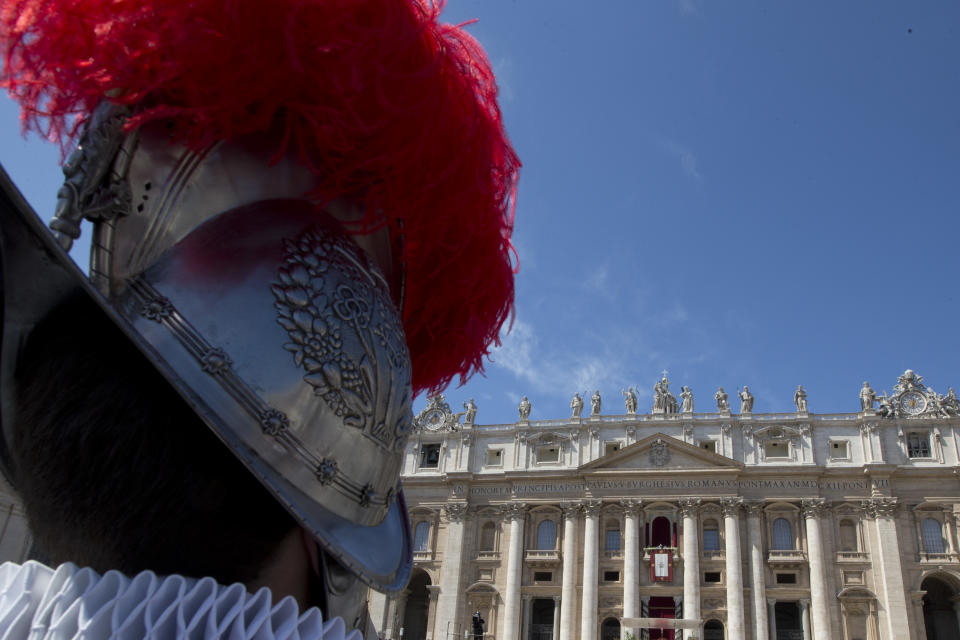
604,486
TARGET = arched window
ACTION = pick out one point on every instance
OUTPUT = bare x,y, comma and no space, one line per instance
932,536
711,535
547,535
848,536
488,537
782,534
611,540
421,536
660,532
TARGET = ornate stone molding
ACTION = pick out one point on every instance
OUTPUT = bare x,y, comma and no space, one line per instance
813,507
689,507
514,511
725,428
879,507
455,511
592,508
631,507
753,508
571,510
731,506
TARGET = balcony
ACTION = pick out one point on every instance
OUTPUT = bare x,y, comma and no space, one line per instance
613,554
853,556
542,557
488,556
648,550
713,554
786,557
939,558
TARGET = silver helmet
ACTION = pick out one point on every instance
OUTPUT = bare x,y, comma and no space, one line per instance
282,336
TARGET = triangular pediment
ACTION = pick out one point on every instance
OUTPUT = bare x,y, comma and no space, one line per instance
659,452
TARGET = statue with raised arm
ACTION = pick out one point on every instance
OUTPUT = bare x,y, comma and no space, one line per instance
595,403
629,400
686,399
867,397
800,399
471,412
950,402
723,403
524,409
576,405
746,400
657,398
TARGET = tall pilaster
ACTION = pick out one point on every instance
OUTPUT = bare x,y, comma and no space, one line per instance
448,602
772,617
812,512
591,549
758,588
887,560
631,561
527,614
689,507
731,530
556,617
568,590
805,619
515,515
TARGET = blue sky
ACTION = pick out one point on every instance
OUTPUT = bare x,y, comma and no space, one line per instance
740,193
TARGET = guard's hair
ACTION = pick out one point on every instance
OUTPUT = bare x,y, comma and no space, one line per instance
117,472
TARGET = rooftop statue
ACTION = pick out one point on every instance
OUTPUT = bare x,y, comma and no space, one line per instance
800,399
576,405
524,409
746,400
723,402
630,400
867,397
471,412
686,398
595,403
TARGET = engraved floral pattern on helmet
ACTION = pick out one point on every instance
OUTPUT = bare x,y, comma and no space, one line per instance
346,334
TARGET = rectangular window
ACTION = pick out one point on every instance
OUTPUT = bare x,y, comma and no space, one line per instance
612,540
429,456
611,576
777,449
709,445
786,578
542,576
838,450
711,576
711,540
494,457
918,445
549,453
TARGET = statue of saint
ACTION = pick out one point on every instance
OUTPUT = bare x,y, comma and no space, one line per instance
471,411
576,405
524,409
657,398
950,402
595,403
746,400
722,402
686,398
867,397
629,400
800,399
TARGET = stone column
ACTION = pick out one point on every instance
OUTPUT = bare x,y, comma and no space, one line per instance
556,617
568,590
758,587
448,602
691,563
514,514
631,561
527,606
772,617
805,619
433,592
886,560
591,548
948,521
812,510
731,529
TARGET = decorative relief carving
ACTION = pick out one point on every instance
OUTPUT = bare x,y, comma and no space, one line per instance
571,510
592,508
731,506
813,507
437,416
753,508
631,507
659,452
514,511
689,507
455,511
879,507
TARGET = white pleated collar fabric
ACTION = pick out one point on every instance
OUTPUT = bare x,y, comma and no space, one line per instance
40,603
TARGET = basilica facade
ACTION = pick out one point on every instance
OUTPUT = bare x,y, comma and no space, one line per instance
678,524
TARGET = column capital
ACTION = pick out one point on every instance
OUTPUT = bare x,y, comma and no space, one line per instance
731,506
433,591
631,508
804,603
527,597
514,511
771,602
753,508
455,511
591,508
556,599
813,507
571,510
879,507
689,507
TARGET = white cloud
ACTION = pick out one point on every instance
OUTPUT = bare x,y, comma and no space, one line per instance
687,158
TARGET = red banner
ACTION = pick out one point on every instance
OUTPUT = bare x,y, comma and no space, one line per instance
661,565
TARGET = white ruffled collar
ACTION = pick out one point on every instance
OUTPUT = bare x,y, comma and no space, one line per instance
40,603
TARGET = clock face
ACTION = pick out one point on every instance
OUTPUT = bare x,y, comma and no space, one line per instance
433,420
912,403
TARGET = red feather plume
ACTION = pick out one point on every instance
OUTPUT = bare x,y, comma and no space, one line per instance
377,98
